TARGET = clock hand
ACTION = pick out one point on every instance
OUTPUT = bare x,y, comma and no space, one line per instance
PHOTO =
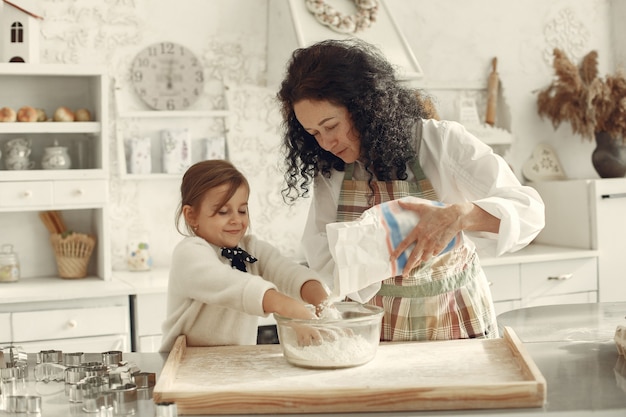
170,70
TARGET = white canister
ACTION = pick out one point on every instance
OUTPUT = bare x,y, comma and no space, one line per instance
138,255
56,157
9,264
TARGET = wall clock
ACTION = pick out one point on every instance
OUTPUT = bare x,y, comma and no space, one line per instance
167,76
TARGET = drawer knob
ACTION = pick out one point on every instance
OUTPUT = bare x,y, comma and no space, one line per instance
72,324
27,193
562,277
79,192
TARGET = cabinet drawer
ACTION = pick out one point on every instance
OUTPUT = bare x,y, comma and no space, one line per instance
150,313
84,344
69,323
504,281
149,343
80,192
25,194
5,327
542,279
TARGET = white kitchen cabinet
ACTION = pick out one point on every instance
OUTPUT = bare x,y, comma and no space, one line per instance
5,328
542,275
590,214
149,313
79,193
90,325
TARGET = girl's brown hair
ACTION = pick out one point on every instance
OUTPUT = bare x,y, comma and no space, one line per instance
202,177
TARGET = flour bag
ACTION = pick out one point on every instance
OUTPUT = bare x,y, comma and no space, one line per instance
361,248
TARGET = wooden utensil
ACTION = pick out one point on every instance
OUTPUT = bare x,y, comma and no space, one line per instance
492,94
53,221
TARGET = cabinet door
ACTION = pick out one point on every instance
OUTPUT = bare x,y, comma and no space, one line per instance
555,278
5,328
504,281
610,206
150,311
149,343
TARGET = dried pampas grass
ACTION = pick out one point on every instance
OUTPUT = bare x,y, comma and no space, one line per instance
579,96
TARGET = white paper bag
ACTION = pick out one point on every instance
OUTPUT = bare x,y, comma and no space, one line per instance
361,248
176,148
140,161
215,148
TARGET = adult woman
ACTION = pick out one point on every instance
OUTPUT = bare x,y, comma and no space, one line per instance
362,138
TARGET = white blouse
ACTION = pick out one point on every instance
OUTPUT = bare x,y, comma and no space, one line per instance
460,168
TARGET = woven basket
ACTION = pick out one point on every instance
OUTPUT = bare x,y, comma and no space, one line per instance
72,253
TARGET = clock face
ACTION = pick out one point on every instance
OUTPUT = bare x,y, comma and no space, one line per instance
167,76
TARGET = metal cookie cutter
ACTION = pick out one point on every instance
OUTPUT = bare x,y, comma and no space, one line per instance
125,399
95,393
73,359
23,404
13,380
49,366
145,382
166,409
112,357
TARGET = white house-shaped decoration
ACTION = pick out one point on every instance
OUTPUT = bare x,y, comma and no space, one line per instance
19,34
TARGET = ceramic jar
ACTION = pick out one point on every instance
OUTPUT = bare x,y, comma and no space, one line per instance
56,157
138,255
9,264
16,154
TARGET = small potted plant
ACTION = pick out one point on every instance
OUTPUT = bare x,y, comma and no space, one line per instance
595,107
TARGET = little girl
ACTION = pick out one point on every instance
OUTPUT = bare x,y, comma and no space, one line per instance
221,280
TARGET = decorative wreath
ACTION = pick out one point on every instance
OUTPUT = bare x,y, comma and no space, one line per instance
328,16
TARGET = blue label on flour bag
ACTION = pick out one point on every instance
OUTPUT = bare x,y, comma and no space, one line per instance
397,231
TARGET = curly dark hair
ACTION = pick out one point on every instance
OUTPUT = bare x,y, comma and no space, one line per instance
354,74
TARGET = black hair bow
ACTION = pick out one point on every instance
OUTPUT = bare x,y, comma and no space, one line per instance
237,257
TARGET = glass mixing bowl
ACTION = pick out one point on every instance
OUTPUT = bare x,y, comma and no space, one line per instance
347,337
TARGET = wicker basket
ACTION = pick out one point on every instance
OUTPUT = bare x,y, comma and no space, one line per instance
72,253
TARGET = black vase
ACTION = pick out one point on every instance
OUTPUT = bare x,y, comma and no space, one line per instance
609,156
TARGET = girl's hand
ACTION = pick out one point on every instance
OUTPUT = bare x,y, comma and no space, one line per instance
277,302
314,292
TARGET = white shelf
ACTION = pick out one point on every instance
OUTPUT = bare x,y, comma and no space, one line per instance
51,127
62,70
151,177
51,174
156,114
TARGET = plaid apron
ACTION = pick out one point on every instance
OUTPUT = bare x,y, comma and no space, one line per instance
447,297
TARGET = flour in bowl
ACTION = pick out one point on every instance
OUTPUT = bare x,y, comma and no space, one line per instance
344,351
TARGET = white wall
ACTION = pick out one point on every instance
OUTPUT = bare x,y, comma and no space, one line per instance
453,40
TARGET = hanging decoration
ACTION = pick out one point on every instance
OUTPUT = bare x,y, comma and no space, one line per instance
328,16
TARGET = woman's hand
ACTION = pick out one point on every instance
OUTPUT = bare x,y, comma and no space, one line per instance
436,228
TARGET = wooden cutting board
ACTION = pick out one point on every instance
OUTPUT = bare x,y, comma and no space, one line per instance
446,375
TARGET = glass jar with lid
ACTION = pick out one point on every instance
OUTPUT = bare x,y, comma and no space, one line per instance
9,264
